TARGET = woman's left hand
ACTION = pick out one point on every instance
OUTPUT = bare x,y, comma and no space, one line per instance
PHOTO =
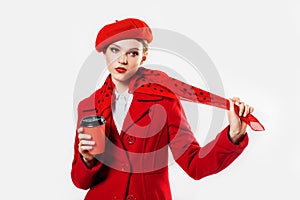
237,127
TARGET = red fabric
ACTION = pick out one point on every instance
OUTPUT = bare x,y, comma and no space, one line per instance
123,29
134,164
158,83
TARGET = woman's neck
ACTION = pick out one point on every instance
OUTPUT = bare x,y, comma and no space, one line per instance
121,86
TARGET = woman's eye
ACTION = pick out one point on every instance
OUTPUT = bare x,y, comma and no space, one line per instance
114,50
134,53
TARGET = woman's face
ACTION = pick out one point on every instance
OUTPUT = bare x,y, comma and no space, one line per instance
123,59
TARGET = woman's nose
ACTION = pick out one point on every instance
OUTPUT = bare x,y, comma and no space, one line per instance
123,59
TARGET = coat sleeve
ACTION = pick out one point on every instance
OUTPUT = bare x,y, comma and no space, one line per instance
196,161
82,176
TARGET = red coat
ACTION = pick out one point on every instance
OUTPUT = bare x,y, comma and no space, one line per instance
134,164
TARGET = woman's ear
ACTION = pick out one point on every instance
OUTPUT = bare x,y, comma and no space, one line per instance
144,58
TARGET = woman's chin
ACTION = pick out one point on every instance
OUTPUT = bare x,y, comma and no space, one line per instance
120,79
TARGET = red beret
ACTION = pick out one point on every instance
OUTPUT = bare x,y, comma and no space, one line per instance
124,29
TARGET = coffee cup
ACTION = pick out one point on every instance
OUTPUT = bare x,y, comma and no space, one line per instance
95,127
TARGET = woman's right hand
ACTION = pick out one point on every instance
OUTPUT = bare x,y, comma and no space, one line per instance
85,145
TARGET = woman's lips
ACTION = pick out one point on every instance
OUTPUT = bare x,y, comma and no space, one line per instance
120,69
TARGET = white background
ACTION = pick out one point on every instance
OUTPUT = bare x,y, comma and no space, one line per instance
254,45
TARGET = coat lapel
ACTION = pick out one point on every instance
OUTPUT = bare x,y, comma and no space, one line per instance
139,109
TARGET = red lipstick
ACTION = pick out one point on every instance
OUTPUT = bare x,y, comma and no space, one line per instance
120,69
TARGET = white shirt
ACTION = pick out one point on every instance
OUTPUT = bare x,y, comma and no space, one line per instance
120,108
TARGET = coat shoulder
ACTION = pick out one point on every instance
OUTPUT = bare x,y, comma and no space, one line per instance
88,102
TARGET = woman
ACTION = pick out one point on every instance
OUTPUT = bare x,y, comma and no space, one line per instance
141,124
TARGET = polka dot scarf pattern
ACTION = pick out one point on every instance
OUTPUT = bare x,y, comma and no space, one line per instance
155,82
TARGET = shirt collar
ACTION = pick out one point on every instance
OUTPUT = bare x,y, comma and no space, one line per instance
124,94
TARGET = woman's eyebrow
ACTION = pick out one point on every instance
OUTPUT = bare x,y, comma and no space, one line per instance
135,49
116,45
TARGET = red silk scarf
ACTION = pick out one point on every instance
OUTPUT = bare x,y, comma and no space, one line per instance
155,82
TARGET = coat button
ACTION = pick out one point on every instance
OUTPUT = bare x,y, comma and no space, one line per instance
131,197
130,139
